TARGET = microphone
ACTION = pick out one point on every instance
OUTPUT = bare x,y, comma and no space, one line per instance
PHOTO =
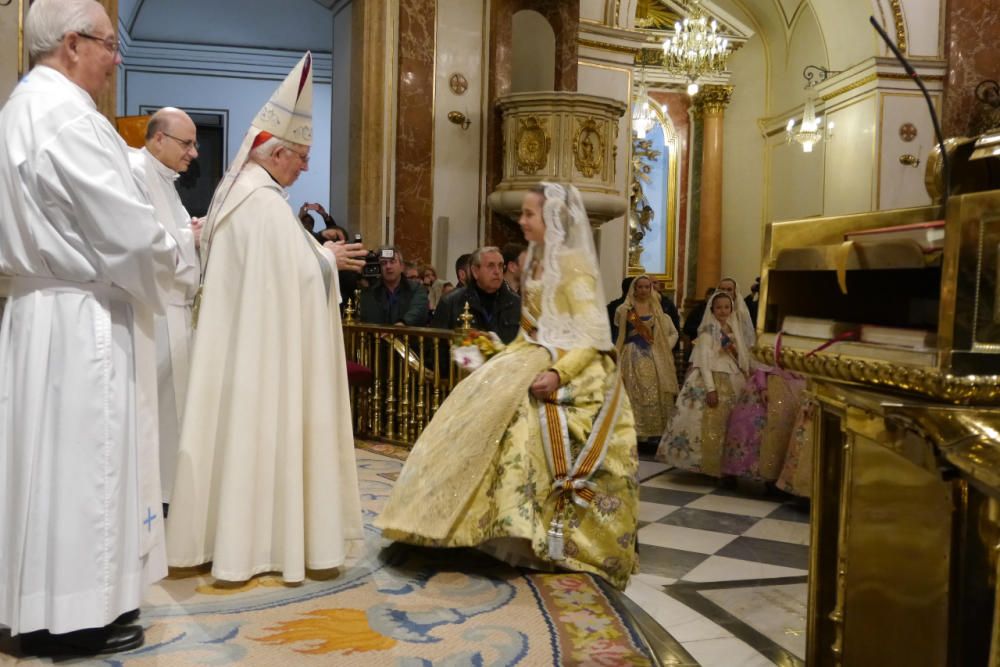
945,162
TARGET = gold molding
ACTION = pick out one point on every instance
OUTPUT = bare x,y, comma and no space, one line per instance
607,46
671,142
854,85
897,17
712,99
930,382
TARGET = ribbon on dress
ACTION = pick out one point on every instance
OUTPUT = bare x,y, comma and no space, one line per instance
572,477
640,327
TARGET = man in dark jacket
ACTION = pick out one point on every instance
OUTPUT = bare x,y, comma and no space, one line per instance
394,299
493,306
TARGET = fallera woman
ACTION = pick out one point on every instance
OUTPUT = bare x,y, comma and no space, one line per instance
646,338
532,458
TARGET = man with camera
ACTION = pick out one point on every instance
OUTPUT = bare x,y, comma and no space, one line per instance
392,299
331,232
492,304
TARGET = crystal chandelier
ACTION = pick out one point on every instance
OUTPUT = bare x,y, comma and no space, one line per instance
643,117
696,48
810,131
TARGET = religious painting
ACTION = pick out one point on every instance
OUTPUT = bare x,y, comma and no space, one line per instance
654,251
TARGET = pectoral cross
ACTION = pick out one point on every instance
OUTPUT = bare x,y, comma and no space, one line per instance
148,521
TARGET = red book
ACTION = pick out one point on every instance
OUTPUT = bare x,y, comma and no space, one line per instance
928,235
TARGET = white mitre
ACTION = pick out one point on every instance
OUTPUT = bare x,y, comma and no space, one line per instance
287,115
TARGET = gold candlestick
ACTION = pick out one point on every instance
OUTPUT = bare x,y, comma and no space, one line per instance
466,317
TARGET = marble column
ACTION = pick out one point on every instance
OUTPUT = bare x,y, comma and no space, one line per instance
712,101
366,207
972,44
415,129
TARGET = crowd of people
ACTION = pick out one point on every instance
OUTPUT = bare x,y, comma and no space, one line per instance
152,362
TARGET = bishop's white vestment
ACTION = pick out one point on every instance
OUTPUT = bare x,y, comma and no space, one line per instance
80,526
266,477
173,328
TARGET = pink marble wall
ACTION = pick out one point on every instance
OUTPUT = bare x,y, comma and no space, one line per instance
677,105
415,129
972,34
564,17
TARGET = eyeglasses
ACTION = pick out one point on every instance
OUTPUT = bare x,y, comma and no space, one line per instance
188,144
303,157
110,43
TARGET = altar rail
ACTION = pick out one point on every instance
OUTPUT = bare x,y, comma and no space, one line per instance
412,374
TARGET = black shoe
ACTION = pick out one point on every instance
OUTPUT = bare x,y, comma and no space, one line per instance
91,641
128,618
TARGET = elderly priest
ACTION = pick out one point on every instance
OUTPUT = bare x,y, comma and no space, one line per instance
266,477
80,533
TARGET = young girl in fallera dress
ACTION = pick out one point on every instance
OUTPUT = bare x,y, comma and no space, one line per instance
719,366
532,458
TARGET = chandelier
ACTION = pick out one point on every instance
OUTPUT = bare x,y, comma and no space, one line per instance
696,48
810,131
643,116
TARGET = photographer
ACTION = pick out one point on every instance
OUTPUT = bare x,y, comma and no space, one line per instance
392,299
332,231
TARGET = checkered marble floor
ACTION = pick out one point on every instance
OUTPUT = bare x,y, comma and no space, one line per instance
691,529
722,570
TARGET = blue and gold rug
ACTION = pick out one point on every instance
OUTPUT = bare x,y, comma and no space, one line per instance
393,605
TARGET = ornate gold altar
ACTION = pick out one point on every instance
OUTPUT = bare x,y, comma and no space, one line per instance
906,479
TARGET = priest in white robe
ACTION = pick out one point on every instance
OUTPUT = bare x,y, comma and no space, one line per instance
80,528
171,144
266,478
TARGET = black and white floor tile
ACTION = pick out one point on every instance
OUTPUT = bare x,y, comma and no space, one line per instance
722,570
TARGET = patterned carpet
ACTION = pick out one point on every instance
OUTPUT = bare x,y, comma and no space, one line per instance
397,606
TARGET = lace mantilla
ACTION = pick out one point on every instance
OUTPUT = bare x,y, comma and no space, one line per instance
573,314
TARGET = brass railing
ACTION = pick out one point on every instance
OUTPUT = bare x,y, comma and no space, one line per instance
412,373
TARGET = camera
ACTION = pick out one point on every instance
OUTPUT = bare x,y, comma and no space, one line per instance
372,268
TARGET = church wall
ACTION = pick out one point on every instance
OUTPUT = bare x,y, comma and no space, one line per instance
593,10
923,20
851,176
194,86
457,151
614,82
533,53
340,115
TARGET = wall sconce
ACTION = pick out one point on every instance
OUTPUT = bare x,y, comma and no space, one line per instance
459,118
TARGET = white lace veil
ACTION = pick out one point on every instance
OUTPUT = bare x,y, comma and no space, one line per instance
740,310
710,331
573,313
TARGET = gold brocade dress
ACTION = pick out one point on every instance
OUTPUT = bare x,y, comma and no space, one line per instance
478,474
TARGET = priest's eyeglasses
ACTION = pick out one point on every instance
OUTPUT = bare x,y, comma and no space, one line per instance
188,144
110,43
302,156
